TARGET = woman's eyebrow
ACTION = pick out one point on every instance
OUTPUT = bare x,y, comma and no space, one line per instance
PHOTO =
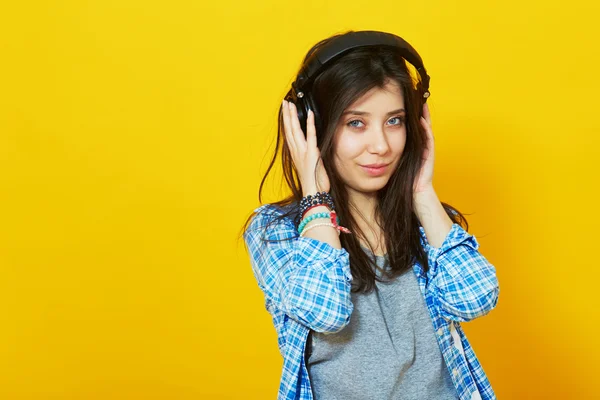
357,112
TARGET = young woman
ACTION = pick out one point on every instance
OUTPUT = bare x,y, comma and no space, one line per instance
366,274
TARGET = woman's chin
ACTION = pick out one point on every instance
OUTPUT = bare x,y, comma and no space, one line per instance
373,184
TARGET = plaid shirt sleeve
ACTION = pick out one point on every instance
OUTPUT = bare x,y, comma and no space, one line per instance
465,283
306,278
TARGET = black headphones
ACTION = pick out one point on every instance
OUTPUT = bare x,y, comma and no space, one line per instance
300,93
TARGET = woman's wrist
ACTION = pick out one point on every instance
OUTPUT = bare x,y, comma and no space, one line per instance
309,191
317,209
318,203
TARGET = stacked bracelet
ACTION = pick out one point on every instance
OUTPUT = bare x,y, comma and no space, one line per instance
321,198
310,201
320,224
327,215
313,206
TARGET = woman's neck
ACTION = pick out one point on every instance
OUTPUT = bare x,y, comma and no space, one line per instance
363,207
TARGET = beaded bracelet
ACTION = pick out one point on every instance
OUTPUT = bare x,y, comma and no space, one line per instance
327,215
313,206
320,224
321,198
334,220
318,198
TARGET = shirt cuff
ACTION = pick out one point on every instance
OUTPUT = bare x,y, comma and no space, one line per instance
338,258
457,235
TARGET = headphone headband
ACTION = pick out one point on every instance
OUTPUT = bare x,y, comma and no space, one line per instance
342,44
336,47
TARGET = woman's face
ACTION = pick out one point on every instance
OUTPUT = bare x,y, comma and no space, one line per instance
371,131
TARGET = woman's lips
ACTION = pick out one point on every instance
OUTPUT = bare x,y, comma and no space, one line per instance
375,171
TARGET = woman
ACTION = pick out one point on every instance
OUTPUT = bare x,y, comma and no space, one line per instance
366,274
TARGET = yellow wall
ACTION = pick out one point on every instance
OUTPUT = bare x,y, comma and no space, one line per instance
132,139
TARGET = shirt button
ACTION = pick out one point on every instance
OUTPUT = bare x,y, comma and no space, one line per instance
440,331
455,371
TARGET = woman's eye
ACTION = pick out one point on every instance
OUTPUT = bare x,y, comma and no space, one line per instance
351,123
353,126
400,120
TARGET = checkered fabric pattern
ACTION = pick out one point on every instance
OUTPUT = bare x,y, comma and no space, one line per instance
306,285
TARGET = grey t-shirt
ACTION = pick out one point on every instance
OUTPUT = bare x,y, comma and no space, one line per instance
387,351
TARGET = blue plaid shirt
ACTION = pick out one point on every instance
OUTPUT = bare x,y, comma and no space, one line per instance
306,284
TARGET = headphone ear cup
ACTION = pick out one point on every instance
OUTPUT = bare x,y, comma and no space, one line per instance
302,109
422,95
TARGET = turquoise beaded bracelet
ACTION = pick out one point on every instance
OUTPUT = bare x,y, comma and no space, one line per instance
306,220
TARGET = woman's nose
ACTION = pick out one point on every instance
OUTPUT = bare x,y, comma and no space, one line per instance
377,141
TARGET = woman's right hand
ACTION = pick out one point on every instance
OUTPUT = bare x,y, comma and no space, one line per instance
305,153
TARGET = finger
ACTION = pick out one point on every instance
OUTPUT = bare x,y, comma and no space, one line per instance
297,133
426,113
287,126
428,129
311,132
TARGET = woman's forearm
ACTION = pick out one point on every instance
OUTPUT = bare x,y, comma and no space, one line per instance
433,217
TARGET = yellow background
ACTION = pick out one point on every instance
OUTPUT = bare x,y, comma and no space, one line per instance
133,135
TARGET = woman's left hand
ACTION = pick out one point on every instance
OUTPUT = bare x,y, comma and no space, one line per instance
424,180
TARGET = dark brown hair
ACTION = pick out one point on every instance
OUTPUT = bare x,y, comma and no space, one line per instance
335,89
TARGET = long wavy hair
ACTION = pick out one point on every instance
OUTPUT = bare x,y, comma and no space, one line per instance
334,90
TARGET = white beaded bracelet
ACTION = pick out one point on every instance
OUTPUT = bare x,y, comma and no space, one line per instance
309,227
